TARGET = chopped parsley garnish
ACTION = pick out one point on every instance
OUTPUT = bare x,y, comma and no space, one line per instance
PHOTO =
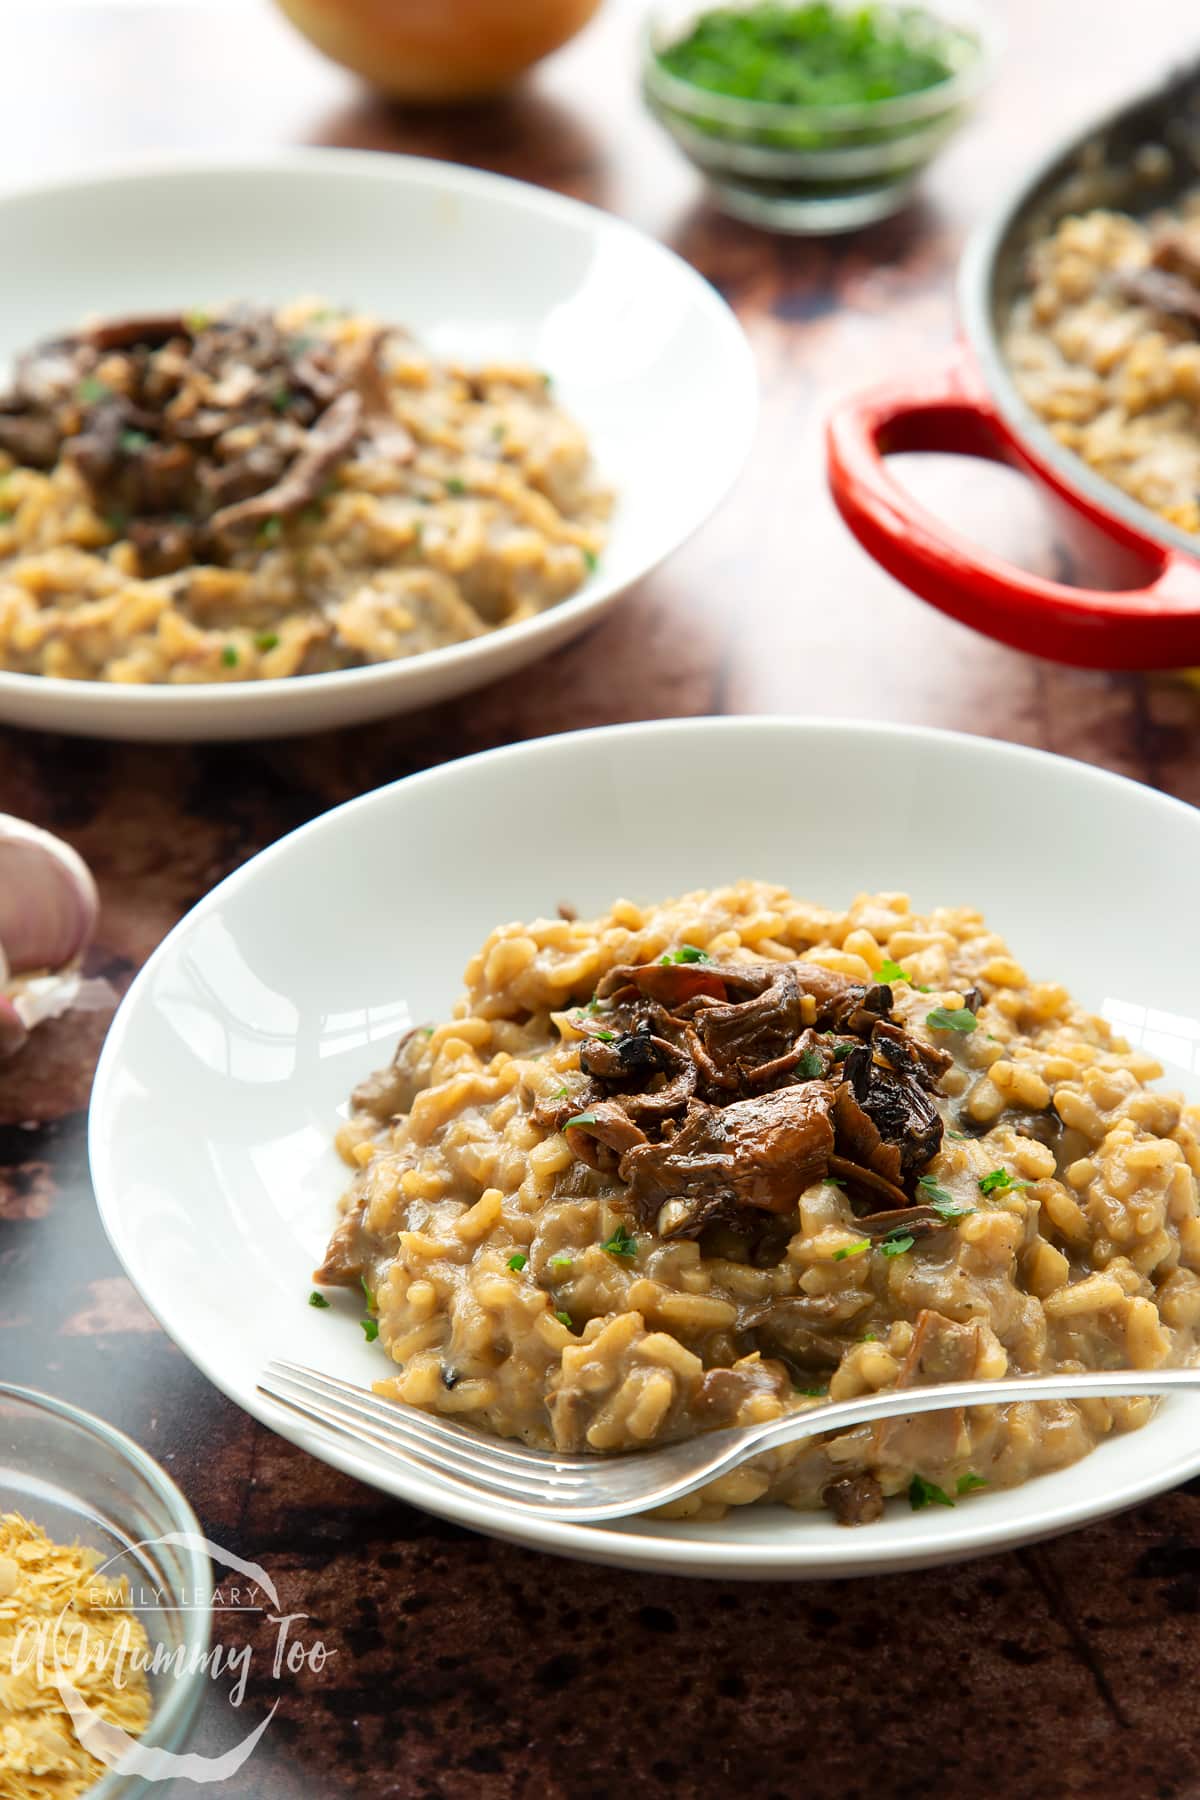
371,1302
116,519
686,953
605,1037
923,1493
428,1030
370,1329
588,1011
560,1093
969,1482
810,1064
270,531
564,1318
315,1299
133,441
592,561
941,1199
229,656
517,1261
841,1051
942,1019
266,640
961,1136
833,1181
455,485
811,54
282,398
580,1119
6,515
999,1181
621,1243
869,1337
197,321
852,1250
891,971
91,390
813,1393
561,1262
547,380
896,1246
498,432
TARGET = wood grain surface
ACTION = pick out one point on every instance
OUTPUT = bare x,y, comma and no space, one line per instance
463,1667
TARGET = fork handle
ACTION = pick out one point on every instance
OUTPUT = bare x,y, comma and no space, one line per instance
896,1403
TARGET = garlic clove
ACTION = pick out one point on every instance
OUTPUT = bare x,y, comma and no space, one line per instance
48,899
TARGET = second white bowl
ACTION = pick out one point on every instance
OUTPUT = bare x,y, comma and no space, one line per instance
642,350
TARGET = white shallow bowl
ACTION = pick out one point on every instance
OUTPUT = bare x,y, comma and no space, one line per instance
642,350
220,1085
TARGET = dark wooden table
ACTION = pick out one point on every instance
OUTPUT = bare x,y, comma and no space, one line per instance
464,1667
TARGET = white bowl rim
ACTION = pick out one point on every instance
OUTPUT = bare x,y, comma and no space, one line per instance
959,1539
593,598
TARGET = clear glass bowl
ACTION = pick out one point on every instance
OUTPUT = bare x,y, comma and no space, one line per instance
816,169
82,1481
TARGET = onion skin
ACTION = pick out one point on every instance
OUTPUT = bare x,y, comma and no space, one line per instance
48,900
430,51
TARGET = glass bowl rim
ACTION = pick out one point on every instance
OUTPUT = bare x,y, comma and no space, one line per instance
758,115
172,1717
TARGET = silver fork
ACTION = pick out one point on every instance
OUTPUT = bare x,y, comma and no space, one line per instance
547,1484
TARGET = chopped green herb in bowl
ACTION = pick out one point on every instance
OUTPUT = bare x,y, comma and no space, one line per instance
811,55
818,116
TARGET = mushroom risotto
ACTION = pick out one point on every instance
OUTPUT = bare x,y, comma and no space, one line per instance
705,1162
194,498
1105,347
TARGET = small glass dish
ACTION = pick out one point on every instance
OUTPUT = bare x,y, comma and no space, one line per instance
81,1481
817,169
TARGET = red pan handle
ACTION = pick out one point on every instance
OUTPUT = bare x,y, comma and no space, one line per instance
1156,626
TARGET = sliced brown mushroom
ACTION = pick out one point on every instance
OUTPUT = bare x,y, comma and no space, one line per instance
603,1124
146,328
1169,295
914,1221
854,1499
760,1153
1175,248
186,431
329,441
858,1176
941,1350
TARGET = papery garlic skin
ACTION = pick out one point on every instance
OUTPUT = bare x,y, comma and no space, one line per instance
48,900
48,912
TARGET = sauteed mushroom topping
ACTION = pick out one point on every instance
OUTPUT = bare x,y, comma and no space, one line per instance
192,432
719,1091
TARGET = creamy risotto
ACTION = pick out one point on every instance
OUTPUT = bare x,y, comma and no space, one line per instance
1105,347
706,1162
252,494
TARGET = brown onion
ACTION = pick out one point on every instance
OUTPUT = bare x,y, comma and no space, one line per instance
438,50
